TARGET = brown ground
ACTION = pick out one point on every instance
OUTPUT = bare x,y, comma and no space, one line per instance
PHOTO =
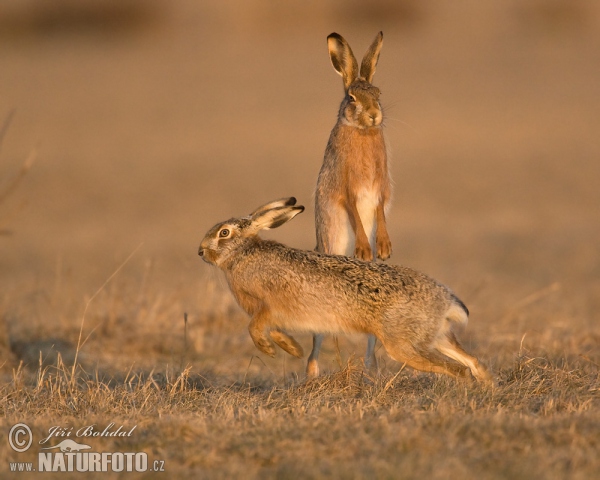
154,120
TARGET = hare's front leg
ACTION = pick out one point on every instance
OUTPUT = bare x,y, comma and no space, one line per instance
362,249
382,239
258,329
287,343
260,332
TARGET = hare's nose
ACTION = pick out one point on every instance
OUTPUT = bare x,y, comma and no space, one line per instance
375,118
201,251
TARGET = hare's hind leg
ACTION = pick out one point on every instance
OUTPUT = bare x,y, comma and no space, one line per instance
404,353
335,236
450,347
312,367
430,364
370,358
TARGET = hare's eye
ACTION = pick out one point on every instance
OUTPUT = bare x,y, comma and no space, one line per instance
224,233
352,97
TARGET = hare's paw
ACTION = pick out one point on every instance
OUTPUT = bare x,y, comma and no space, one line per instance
363,251
483,375
264,345
312,368
384,247
287,343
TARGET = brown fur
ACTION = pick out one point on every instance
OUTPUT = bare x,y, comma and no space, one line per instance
283,289
355,167
354,187
354,158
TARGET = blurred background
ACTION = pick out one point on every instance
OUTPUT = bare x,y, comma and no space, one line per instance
153,120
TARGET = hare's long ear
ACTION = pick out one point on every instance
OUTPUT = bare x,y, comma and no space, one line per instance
369,61
280,202
342,58
265,220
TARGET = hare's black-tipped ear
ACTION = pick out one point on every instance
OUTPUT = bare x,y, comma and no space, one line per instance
280,202
342,58
369,61
275,217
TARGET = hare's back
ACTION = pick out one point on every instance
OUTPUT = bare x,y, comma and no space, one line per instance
301,276
379,284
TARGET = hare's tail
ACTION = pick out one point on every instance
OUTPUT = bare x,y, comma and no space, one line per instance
458,312
447,343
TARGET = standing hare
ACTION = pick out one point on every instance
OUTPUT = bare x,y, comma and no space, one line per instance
354,187
284,288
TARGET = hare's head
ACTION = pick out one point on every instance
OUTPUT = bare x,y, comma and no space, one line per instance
221,241
360,107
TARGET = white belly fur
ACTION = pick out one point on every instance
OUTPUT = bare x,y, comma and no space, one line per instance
319,320
366,204
341,234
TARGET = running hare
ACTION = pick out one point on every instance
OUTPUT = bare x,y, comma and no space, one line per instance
284,288
354,187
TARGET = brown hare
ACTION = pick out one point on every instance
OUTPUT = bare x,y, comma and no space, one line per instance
286,289
354,186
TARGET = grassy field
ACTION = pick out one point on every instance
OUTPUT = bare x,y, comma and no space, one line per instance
151,122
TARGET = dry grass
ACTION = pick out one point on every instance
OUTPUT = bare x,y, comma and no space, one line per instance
156,121
211,415
540,422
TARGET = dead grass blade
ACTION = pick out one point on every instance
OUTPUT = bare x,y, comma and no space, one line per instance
87,305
